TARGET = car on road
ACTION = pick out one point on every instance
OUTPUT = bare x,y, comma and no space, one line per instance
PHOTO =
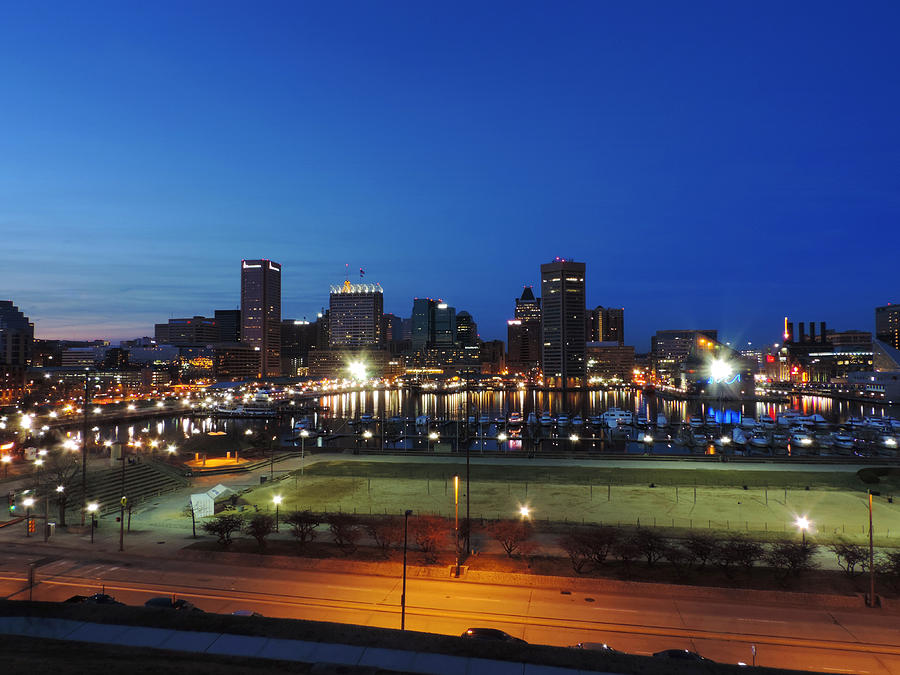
679,655
179,604
95,599
491,634
596,647
245,612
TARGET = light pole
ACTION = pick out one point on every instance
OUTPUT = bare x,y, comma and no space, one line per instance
304,434
28,502
92,509
367,435
432,437
803,524
871,556
6,460
277,500
272,456
84,446
406,516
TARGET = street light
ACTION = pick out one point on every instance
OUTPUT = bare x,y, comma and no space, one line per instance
92,509
406,516
501,437
277,500
432,437
524,511
803,523
304,434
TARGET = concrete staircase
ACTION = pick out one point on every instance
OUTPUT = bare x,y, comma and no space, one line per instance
143,481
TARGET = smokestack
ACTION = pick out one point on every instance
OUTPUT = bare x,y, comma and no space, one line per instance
802,332
789,332
822,331
812,331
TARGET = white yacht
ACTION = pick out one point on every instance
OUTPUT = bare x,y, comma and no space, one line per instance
760,439
614,417
843,441
800,438
748,423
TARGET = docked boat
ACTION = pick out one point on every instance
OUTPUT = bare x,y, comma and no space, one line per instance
700,439
577,421
748,423
532,419
614,417
642,421
800,438
767,423
661,421
484,420
780,439
824,441
546,419
515,419
760,439
887,442
596,421
562,420
843,441
696,423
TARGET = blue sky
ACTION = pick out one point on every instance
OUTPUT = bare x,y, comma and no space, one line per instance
715,165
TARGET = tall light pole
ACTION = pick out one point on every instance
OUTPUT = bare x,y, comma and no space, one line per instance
803,524
84,445
272,458
304,434
28,502
92,509
277,500
406,516
432,437
871,556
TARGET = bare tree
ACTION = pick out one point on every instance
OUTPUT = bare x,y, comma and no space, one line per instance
575,544
345,529
387,532
650,544
600,542
59,471
429,532
223,526
701,548
849,556
260,526
303,525
791,557
510,534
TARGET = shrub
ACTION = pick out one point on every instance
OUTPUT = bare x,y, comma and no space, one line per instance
701,548
303,525
223,526
574,543
510,534
849,556
260,526
429,532
649,544
791,557
345,529
386,532
600,541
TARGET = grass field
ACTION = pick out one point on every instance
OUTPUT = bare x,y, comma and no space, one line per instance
682,499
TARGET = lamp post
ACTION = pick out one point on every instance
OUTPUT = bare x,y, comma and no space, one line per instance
84,445
803,524
272,458
6,460
304,434
367,435
92,509
28,502
406,516
871,557
432,437
277,500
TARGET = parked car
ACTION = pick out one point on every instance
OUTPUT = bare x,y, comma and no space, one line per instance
95,599
680,655
245,612
492,634
595,647
179,604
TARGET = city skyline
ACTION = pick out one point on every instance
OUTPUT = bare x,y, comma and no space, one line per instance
748,175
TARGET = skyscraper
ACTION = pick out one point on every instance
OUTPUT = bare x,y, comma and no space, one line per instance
523,334
887,325
466,330
261,312
563,322
444,324
228,323
355,312
528,307
16,338
422,323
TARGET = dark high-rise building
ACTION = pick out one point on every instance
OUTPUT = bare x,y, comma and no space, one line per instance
612,325
261,313
198,330
355,312
887,325
16,338
528,307
422,323
563,322
444,325
466,330
228,323
670,349
391,328
297,336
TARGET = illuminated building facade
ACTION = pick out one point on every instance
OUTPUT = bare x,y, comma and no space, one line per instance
563,322
670,348
355,314
198,330
261,313
16,338
466,330
609,361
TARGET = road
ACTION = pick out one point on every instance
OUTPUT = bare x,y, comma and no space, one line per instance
835,641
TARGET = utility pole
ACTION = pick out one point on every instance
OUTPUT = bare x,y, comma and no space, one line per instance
871,556
84,447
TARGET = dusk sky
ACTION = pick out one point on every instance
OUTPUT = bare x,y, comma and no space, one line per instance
716,165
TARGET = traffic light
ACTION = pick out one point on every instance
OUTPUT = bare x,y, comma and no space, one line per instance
11,501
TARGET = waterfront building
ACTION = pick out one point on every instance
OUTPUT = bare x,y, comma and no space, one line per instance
887,325
608,361
261,313
235,361
670,348
493,357
606,324
528,307
297,336
228,322
198,330
391,328
363,363
523,339
444,361
563,322
422,323
16,338
355,313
